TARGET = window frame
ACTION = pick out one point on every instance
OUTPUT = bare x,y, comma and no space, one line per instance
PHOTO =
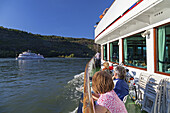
145,69
104,53
109,53
156,50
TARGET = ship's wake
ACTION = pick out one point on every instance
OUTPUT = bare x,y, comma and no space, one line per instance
75,87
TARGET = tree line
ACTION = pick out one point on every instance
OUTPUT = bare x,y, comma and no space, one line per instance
13,42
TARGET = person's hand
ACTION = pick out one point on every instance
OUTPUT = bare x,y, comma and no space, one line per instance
113,77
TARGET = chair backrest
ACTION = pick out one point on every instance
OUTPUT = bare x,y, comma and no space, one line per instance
154,93
150,93
162,100
143,79
125,99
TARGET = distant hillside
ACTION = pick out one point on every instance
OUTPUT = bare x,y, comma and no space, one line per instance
13,42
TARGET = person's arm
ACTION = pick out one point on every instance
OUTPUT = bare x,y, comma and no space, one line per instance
95,96
101,109
113,77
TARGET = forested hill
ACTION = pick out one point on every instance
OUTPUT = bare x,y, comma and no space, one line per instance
13,42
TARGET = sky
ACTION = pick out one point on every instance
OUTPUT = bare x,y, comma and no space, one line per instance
67,18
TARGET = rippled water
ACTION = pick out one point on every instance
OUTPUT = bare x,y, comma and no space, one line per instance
40,86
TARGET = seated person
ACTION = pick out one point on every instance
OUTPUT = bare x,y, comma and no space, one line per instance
106,67
121,88
111,68
107,99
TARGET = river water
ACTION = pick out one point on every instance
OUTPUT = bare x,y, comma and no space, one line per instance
40,86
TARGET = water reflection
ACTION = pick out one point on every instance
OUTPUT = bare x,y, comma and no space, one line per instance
26,64
39,86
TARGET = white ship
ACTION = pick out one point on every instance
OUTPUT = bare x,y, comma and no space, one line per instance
28,55
136,34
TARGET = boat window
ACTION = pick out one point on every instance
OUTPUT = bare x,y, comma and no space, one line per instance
105,52
135,51
163,49
114,51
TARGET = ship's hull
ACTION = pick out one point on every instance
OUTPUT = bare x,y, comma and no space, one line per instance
136,35
27,58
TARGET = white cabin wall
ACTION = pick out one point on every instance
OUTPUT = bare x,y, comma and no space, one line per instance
120,50
160,15
150,51
101,55
108,51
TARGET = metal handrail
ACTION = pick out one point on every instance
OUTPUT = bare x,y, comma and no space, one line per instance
88,103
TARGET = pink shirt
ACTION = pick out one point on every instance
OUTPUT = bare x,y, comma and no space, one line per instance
112,102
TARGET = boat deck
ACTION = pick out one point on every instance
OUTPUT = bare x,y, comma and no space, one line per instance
130,105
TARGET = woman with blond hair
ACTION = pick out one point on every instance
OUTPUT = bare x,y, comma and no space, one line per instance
106,67
107,99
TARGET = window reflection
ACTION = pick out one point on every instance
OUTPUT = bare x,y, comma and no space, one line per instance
105,52
114,51
163,49
135,51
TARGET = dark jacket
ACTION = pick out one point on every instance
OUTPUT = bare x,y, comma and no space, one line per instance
121,88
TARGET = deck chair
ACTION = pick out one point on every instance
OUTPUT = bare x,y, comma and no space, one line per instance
143,79
125,99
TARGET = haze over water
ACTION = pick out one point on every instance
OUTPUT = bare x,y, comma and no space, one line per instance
40,86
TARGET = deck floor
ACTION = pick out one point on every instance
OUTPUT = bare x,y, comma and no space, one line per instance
132,107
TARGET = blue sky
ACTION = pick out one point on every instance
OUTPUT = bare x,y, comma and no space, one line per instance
68,18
